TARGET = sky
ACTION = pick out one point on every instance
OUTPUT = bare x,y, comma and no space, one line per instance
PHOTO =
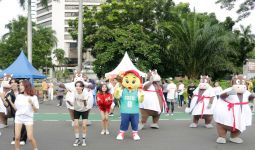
10,9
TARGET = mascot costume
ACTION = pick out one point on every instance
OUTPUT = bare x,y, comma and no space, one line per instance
130,96
232,112
202,103
3,110
153,100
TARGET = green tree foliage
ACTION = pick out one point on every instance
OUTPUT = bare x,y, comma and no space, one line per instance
59,54
158,34
245,7
16,40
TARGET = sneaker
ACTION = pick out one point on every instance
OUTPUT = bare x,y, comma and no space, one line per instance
111,114
120,136
193,125
72,124
167,114
102,132
13,142
58,105
209,126
236,140
76,142
221,140
3,126
172,114
22,142
107,132
83,142
136,137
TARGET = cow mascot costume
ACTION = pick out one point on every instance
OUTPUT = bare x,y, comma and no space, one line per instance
130,96
202,103
232,112
153,100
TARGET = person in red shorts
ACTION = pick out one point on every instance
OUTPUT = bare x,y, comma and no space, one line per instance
104,102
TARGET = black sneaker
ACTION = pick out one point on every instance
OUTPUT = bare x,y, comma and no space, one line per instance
111,114
76,142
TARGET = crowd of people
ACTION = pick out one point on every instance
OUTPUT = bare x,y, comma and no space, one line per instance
19,101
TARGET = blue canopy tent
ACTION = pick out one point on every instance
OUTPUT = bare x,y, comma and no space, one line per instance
21,68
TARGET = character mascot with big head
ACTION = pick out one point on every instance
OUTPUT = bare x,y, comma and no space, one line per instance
154,101
130,95
202,103
232,112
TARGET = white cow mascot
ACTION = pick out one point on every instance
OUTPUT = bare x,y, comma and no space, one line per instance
232,112
202,103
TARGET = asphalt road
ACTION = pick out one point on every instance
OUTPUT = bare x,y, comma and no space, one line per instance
53,131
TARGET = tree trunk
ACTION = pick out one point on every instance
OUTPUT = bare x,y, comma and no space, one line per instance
29,32
80,34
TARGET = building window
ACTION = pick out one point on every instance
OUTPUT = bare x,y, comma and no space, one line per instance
44,10
71,14
44,17
68,37
46,24
71,7
73,45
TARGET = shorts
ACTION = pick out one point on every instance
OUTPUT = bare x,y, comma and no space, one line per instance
22,119
78,114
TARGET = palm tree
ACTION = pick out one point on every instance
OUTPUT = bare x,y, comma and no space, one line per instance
199,47
80,34
29,25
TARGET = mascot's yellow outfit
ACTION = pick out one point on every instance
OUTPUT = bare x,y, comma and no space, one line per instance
130,97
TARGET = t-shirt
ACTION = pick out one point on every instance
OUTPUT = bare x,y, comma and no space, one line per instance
171,89
191,89
217,90
165,87
83,101
129,102
24,107
180,89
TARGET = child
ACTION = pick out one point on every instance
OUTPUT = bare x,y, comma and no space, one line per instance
104,102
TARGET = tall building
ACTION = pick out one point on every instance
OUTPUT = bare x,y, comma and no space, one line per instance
33,10
56,16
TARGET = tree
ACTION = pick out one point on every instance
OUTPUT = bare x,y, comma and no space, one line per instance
195,42
29,25
15,40
59,54
244,10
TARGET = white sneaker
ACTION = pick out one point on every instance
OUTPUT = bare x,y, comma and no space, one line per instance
107,132
221,140
13,142
209,126
136,137
120,136
102,132
76,142
154,126
193,125
21,143
83,142
167,114
236,140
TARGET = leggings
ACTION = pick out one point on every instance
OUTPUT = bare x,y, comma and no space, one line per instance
172,106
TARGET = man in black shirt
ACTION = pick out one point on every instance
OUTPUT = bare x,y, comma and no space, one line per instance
191,88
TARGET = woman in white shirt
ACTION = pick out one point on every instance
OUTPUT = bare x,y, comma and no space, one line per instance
25,105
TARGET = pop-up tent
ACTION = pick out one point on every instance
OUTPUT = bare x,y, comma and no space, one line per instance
21,68
125,65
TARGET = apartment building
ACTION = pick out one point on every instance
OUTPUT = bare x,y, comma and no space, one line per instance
56,16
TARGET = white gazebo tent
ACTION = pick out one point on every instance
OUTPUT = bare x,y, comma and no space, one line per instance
125,65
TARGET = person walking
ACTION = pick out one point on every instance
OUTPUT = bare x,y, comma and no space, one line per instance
104,102
180,91
171,90
44,90
190,89
217,89
26,104
60,95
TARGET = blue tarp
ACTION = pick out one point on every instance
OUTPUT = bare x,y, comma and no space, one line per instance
21,68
